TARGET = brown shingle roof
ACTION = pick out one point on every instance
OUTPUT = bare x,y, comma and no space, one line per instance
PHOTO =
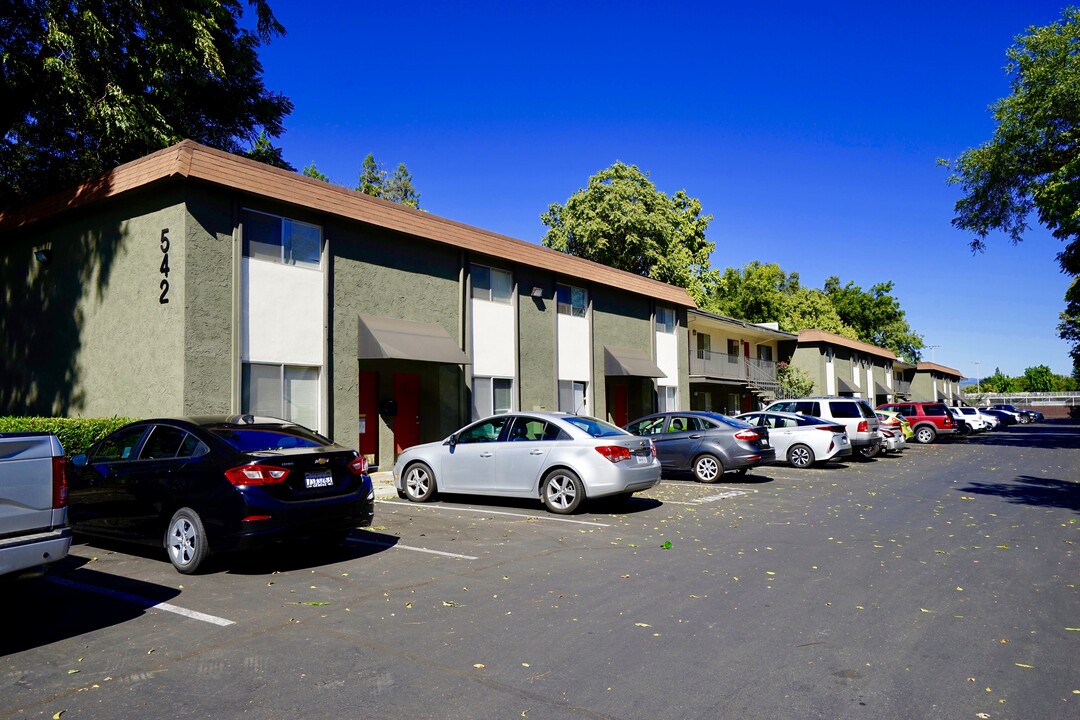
822,336
189,159
929,366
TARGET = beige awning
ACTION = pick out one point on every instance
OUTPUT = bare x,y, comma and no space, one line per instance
881,389
630,363
843,386
386,338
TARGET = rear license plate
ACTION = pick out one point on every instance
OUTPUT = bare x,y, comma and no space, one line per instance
642,459
764,442
318,480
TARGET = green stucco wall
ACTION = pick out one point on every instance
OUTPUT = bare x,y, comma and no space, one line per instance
622,320
537,351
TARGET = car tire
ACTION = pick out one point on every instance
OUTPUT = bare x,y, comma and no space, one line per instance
419,482
924,434
800,456
708,468
869,452
562,491
185,541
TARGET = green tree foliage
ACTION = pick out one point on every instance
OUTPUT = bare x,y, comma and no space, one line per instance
313,172
1037,379
398,187
620,219
999,383
794,382
876,316
1032,162
86,86
265,152
761,293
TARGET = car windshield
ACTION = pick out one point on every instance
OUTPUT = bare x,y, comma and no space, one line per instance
255,439
594,427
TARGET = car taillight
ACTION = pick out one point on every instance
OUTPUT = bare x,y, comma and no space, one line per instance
886,433
359,466
59,482
748,435
863,427
831,428
614,453
257,475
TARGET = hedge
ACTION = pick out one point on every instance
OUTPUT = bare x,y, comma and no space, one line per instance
75,434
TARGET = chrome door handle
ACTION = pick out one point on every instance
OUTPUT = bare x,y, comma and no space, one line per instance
696,436
485,454
536,452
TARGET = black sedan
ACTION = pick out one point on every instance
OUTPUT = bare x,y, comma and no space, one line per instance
218,484
705,444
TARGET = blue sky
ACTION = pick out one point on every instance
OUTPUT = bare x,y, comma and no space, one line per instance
809,132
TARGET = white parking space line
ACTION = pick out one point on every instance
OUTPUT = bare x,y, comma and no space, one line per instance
730,493
145,602
410,547
495,512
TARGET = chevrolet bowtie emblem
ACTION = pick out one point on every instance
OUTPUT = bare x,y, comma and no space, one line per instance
321,461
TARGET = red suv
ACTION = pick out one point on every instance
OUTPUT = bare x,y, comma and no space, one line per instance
928,419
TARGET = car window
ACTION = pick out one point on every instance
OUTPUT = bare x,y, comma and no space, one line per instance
648,426
753,419
808,407
866,410
806,420
783,407
908,410
594,427
935,410
680,423
118,446
165,441
255,439
487,431
526,428
969,411
840,409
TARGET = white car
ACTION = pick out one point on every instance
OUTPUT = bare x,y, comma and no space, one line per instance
892,441
972,417
557,458
992,423
800,439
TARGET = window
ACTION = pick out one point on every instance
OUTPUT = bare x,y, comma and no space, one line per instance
667,397
120,446
487,431
492,396
684,424
572,300
288,392
734,348
572,397
764,352
704,346
665,320
170,442
277,239
531,429
491,284
844,410
648,426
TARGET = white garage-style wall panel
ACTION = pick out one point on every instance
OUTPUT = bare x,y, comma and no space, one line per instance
282,313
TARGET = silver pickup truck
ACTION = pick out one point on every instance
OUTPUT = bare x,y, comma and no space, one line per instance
33,502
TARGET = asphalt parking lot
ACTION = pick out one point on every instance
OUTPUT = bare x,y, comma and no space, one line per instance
940,583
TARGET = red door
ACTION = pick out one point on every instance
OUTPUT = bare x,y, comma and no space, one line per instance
407,421
619,404
368,412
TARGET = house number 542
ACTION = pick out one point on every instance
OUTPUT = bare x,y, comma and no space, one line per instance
164,297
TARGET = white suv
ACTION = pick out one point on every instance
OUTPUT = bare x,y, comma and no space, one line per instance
972,417
861,421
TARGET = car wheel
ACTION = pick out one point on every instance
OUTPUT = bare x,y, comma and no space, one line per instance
562,491
925,434
800,456
708,469
186,542
870,451
419,482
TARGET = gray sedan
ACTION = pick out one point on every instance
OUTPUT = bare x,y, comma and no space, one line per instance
704,443
559,458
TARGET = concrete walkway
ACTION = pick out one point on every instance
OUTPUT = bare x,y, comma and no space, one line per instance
384,484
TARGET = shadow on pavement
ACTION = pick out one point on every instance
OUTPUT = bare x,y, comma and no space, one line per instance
1028,490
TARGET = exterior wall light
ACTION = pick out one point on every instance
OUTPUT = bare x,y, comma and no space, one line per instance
537,292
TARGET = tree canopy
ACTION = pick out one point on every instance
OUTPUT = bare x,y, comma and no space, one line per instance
622,220
398,187
87,86
875,315
1031,164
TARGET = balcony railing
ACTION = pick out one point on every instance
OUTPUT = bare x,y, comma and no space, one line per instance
722,366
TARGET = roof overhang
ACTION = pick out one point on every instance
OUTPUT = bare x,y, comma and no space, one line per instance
623,362
383,338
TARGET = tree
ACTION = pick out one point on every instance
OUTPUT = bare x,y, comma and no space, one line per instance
794,382
761,293
312,172
1037,379
1032,162
620,219
85,87
876,316
399,188
998,383
265,152
372,178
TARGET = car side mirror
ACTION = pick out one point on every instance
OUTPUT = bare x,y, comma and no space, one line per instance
451,441
79,460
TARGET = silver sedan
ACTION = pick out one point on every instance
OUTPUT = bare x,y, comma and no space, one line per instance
800,439
558,458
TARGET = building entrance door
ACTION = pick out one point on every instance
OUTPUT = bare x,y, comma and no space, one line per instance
407,421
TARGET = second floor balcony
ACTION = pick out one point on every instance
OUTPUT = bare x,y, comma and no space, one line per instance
722,366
